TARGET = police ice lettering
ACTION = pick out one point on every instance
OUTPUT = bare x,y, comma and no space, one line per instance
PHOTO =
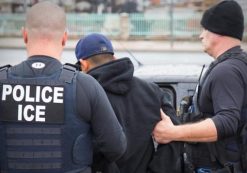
40,95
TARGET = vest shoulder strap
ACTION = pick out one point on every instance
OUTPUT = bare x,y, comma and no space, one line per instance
68,73
3,72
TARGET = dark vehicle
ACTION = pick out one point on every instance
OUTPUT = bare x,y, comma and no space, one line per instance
176,80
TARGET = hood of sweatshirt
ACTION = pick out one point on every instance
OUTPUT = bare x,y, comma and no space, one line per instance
114,76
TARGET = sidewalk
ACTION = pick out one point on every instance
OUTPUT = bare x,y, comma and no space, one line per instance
119,45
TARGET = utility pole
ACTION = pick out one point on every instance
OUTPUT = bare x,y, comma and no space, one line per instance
25,6
171,11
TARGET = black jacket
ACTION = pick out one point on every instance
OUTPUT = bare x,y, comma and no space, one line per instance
223,98
137,106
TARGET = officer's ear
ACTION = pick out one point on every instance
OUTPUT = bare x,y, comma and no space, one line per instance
84,65
65,38
24,35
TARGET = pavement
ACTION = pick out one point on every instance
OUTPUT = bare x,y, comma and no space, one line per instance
122,45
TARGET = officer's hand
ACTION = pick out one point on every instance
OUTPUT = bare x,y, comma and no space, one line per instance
164,130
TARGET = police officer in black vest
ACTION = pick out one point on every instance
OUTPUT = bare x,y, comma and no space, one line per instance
219,136
49,112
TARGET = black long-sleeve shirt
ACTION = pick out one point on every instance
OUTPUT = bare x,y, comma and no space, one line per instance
223,93
223,98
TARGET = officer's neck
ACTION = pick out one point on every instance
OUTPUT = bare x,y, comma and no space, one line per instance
224,45
46,48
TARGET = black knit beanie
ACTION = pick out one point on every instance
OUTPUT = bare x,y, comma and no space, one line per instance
226,18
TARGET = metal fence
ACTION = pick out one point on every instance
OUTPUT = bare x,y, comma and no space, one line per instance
10,25
120,26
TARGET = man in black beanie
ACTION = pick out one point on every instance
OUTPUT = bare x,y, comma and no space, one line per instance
220,103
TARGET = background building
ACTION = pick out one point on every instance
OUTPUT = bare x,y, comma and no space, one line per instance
120,19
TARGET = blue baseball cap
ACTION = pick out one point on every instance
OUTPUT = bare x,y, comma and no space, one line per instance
93,44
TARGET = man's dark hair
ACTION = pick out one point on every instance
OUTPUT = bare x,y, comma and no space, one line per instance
100,59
